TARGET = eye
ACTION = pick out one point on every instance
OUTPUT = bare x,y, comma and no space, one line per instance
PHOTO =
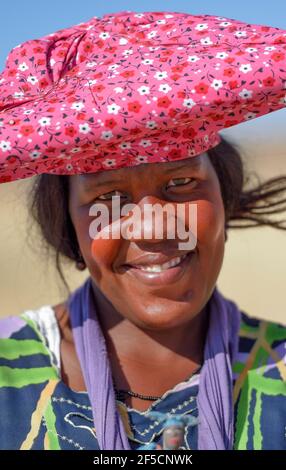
182,181
109,196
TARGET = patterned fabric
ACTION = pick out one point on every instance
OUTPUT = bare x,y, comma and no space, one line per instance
130,88
38,411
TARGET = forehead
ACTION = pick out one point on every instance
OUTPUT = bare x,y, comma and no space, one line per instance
106,176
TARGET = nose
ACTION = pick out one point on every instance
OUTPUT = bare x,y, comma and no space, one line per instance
151,219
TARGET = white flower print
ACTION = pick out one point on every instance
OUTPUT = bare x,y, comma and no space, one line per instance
84,128
249,116
35,154
151,124
89,65
77,105
147,61
160,75
5,146
113,108
23,67
251,49
206,41
221,55
106,135
118,89
270,48
44,121
193,58
125,145
109,162
32,80
144,90
165,88
188,103
240,34
217,84
76,150
245,68
145,143
123,41
245,94
152,34
18,94
201,26
113,67
141,159
127,52
69,167
224,24
104,35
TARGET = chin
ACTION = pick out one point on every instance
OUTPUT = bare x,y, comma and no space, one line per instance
164,315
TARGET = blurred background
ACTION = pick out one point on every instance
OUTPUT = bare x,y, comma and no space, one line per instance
254,270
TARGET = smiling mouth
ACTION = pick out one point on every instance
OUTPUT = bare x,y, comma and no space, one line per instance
158,268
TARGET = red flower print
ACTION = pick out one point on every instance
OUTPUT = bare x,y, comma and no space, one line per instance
61,53
135,131
134,106
5,179
232,84
278,56
175,153
127,74
26,87
177,68
97,88
230,123
70,131
88,47
229,60
26,130
279,40
172,112
181,94
100,44
23,52
202,88
175,77
110,123
12,73
41,62
189,133
164,102
38,50
229,72
269,81
81,116
43,83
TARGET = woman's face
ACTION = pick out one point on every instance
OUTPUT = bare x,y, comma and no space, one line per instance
174,296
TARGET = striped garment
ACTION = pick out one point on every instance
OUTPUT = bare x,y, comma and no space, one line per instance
39,411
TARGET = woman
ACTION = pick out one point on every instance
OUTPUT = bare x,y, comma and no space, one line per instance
148,334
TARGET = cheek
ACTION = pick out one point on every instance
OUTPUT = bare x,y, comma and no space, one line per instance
210,222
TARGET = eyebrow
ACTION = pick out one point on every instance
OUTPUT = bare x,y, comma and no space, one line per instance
90,183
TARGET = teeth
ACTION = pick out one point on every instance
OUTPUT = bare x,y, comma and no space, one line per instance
157,268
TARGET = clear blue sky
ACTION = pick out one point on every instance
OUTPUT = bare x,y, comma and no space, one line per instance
22,20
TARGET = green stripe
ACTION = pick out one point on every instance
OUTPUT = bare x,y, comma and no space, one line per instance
15,348
241,432
51,427
266,385
22,377
257,437
248,328
275,332
238,367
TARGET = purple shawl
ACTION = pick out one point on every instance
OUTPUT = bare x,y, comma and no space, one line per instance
215,405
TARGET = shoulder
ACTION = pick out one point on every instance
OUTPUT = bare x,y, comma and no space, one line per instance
260,385
29,342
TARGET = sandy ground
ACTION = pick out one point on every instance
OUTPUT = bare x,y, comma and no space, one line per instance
254,270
